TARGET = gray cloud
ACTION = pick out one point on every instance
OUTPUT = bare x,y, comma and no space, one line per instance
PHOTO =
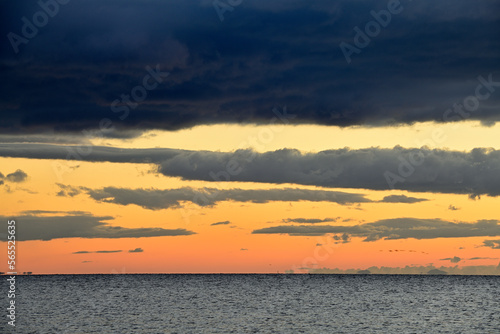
494,244
68,191
136,250
155,199
308,220
402,199
483,258
393,229
17,177
474,173
31,227
98,252
414,270
454,259
227,222
453,208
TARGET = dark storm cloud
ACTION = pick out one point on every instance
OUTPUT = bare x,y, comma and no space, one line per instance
29,227
263,54
155,199
394,229
418,170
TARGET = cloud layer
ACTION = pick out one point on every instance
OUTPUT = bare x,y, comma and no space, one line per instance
155,199
262,55
419,170
393,229
29,227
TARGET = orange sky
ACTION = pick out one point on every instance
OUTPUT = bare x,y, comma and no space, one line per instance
233,247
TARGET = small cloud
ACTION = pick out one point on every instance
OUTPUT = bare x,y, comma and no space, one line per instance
227,222
494,244
86,261
483,258
137,250
67,191
243,249
402,199
1,176
319,245
453,208
454,259
308,220
99,251
344,238
17,176
1,182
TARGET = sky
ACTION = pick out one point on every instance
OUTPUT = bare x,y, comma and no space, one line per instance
251,136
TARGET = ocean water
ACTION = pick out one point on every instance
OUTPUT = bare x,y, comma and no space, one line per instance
256,304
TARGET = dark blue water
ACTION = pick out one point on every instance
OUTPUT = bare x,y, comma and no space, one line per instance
256,304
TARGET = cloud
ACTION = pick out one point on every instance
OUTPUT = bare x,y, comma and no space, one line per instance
394,229
402,199
86,261
156,199
453,208
483,258
243,249
308,220
454,259
45,228
98,252
227,222
494,244
414,270
439,171
136,250
236,71
17,177
67,191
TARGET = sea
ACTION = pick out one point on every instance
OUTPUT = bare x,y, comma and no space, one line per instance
239,303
